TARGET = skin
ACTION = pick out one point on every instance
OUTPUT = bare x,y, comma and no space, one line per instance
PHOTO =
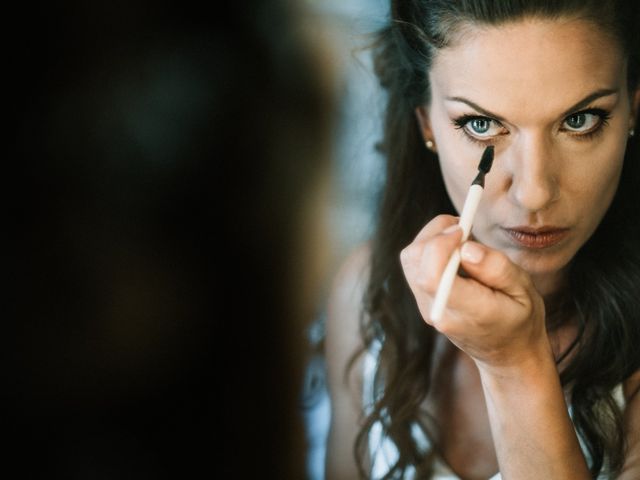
502,380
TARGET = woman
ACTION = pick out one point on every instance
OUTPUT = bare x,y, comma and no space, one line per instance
533,370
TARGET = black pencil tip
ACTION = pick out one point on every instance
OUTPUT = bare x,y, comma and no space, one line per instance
487,159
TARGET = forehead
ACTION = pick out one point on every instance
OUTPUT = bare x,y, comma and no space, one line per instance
529,63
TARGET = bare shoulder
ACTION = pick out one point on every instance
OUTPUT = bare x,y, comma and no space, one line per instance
344,313
343,339
349,286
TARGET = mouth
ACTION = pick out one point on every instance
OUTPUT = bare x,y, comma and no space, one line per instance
536,238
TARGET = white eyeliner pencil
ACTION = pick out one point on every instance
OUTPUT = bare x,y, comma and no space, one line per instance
466,221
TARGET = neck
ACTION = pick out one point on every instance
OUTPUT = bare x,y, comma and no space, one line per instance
549,286
553,290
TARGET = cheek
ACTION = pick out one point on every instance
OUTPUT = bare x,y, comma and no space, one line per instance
598,183
458,163
457,157
457,178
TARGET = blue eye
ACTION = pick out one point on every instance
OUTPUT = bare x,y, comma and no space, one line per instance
577,121
585,122
479,125
479,128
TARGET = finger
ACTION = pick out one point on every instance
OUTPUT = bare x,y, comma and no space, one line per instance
435,255
495,270
411,257
422,265
435,227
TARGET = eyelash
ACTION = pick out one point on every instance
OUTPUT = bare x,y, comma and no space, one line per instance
460,122
603,115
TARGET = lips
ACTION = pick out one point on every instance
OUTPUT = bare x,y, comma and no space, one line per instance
536,238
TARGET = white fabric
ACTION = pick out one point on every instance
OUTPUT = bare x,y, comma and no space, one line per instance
383,451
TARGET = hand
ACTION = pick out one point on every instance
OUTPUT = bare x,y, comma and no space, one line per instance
495,314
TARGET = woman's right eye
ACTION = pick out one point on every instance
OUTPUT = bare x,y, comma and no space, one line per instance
480,128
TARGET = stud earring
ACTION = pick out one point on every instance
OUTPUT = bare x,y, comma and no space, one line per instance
632,132
430,144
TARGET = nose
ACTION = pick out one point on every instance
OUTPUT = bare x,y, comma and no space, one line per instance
533,183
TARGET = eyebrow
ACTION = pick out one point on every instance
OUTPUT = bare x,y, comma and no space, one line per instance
605,92
476,107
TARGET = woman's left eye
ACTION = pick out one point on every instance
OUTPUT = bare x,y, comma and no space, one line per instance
584,122
579,122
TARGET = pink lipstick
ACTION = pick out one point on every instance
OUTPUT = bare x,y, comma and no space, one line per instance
536,238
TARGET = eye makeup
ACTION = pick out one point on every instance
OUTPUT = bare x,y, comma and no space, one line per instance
469,124
599,117
476,127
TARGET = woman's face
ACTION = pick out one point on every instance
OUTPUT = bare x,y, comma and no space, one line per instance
552,96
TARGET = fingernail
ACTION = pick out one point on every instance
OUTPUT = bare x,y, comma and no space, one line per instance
451,229
471,252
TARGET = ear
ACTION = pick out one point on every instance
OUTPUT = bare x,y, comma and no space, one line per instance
422,115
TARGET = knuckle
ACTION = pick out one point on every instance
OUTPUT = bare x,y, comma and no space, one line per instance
435,226
404,256
445,218
408,252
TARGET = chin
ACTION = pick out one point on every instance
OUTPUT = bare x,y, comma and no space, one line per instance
540,263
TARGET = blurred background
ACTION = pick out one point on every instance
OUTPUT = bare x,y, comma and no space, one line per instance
357,179
184,180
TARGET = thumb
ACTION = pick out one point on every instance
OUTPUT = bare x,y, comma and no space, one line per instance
495,270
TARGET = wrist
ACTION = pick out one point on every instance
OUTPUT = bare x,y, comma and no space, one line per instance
525,365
